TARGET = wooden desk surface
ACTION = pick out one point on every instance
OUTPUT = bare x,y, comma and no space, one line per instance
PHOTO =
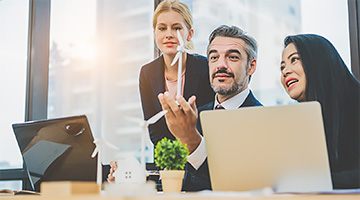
191,197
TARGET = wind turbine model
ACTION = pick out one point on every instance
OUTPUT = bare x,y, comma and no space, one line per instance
144,126
181,49
98,150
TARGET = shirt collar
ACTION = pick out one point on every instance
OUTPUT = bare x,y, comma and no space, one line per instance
234,102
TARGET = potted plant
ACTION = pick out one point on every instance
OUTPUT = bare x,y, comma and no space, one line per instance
172,157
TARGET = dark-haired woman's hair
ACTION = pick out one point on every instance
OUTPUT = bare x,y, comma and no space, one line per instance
329,82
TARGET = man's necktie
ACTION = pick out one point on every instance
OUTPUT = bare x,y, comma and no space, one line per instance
219,107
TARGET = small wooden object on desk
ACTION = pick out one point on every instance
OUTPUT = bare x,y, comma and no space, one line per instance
68,188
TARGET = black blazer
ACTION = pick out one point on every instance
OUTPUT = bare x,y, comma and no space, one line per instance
152,82
196,180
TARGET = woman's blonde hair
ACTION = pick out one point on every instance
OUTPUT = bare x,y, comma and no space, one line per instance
178,7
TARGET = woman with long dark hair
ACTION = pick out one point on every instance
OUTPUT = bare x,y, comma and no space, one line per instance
312,70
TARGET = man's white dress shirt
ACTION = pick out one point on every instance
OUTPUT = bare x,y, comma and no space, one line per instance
197,157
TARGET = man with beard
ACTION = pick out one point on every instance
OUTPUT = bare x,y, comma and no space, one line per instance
232,58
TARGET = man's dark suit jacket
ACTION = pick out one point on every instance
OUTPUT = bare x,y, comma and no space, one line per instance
196,180
152,82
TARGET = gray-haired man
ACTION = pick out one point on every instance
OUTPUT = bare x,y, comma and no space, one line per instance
232,58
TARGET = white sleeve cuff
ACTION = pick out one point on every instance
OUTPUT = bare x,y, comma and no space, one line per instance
197,157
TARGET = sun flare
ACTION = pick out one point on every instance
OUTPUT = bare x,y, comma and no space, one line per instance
84,51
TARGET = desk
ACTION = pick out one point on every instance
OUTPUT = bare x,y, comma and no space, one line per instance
192,196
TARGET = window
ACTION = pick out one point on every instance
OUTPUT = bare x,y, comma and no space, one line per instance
94,70
94,65
269,22
13,52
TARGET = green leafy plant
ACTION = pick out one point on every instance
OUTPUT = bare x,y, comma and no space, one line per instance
171,155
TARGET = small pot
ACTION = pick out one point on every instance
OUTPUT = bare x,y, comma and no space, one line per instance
172,180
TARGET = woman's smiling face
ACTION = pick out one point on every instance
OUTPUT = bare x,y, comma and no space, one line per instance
293,76
165,34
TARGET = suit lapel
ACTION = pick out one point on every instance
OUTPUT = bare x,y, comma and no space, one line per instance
157,79
250,101
208,106
191,77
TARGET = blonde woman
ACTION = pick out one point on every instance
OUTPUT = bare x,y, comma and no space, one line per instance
159,76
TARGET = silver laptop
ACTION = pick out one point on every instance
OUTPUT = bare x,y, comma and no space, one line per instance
282,147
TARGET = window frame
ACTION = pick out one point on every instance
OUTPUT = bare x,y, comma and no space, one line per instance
354,31
37,76
38,63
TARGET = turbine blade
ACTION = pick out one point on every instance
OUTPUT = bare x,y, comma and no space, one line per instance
110,145
176,58
156,117
135,120
94,152
180,38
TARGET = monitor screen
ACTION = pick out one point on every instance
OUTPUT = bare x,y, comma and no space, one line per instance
57,149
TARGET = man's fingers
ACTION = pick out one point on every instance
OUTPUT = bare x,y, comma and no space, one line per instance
110,178
189,107
184,104
113,165
192,102
112,170
165,106
171,102
162,101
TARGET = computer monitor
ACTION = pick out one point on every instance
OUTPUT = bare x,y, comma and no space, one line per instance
57,149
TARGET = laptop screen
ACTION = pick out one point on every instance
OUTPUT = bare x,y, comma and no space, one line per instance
57,149
283,147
